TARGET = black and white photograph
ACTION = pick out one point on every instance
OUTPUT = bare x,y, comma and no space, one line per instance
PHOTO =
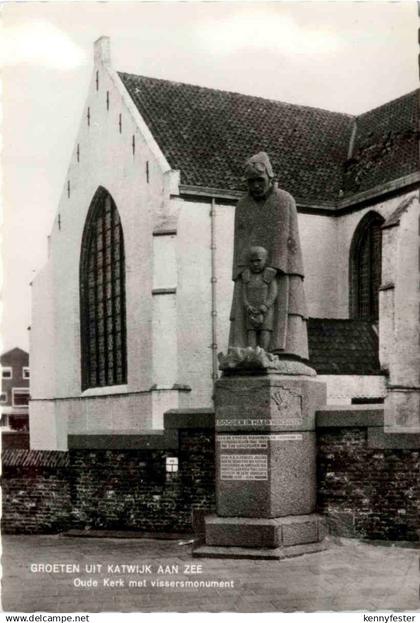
210,341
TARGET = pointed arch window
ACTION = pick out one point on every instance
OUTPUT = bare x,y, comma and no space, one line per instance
365,268
102,296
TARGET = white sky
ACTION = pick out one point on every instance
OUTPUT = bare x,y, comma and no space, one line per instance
343,56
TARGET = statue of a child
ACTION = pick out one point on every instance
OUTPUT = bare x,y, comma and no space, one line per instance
259,291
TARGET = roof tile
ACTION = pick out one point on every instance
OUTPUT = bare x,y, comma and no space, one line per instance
386,144
34,458
208,134
342,346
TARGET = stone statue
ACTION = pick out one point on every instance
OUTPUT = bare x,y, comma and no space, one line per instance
259,292
267,218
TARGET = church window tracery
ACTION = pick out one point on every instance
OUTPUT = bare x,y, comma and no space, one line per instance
102,296
365,268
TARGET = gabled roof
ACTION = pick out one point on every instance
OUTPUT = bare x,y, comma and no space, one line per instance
207,135
386,144
13,354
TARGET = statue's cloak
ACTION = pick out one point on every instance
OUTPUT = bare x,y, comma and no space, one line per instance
272,224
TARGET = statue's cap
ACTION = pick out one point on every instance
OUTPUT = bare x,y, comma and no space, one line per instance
260,163
253,251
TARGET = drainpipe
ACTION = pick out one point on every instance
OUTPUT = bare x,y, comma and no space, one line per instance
213,280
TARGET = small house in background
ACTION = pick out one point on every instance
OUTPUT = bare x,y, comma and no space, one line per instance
15,378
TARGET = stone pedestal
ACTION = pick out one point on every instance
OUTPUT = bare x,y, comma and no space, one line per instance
265,475
233,537
265,466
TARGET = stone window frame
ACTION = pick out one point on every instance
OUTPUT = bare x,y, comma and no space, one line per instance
103,351
26,373
365,226
3,397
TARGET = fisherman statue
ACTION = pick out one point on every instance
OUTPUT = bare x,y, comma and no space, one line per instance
266,218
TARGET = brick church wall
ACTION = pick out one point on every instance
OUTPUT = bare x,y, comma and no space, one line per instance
131,490
35,491
48,491
366,489
367,492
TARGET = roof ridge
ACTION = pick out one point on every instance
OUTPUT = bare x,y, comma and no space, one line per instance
388,103
11,350
254,97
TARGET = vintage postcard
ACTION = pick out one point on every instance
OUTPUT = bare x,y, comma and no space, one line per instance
210,352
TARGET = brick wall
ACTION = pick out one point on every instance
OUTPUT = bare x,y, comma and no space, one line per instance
368,492
35,492
108,489
130,489
365,489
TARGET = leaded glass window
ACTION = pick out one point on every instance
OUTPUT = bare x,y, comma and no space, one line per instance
365,273
102,296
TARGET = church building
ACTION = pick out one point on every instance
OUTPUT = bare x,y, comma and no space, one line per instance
132,306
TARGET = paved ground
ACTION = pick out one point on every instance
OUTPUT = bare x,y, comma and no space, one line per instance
348,576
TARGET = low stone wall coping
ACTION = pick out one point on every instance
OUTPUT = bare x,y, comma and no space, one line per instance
372,418
124,440
350,416
381,439
189,418
167,439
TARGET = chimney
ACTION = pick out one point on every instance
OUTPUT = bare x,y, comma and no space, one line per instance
102,51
